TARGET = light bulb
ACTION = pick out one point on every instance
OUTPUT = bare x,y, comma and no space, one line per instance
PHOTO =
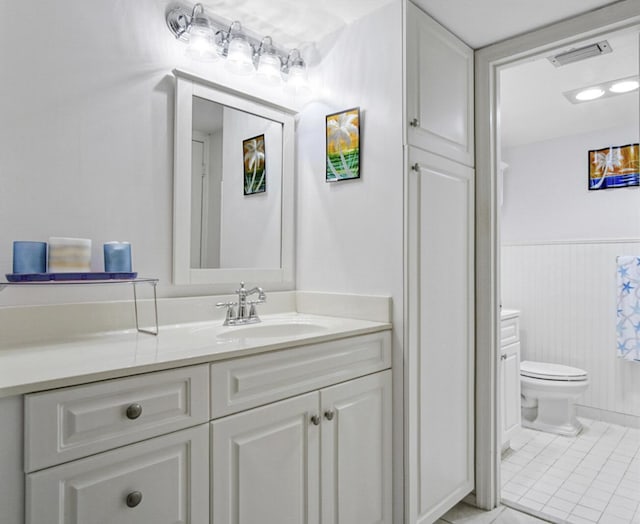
239,56
590,94
268,71
201,40
624,87
297,82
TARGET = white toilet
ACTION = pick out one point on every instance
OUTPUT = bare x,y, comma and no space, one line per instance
549,393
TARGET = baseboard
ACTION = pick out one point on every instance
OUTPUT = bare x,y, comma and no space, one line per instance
611,417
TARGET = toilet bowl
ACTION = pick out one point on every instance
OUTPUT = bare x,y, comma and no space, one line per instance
549,393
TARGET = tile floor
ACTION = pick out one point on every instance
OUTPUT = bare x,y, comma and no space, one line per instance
594,477
465,514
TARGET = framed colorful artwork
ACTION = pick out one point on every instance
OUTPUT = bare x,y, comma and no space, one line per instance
615,166
255,172
343,145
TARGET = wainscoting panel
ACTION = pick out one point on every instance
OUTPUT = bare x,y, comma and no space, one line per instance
566,293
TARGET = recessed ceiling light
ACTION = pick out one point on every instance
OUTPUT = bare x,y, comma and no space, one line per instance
590,94
624,86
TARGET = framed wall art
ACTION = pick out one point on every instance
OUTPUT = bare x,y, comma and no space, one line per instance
343,145
255,173
614,166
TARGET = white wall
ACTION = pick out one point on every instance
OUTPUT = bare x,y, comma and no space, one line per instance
250,224
86,133
558,262
350,233
567,297
546,195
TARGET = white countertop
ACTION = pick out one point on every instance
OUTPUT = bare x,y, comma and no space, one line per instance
39,366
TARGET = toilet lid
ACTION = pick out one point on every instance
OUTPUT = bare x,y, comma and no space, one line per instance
547,371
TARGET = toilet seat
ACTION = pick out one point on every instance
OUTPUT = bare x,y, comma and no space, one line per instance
547,371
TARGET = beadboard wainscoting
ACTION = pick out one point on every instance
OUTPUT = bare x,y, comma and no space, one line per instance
566,292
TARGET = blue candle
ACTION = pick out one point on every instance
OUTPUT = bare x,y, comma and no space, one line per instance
117,257
29,257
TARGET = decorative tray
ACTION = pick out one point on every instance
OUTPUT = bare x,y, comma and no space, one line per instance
62,277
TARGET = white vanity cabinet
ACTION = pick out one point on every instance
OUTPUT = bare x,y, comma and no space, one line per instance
439,75
164,480
322,457
82,430
509,371
298,434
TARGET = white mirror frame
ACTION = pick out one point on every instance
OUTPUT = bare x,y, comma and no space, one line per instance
189,85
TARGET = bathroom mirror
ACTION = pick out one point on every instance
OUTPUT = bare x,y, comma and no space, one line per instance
233,187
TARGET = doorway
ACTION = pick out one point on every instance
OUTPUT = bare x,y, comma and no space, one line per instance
489,62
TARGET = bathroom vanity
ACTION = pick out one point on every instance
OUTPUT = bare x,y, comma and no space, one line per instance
203,423
509,370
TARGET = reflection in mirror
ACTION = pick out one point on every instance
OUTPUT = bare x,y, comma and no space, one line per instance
229,223
229,228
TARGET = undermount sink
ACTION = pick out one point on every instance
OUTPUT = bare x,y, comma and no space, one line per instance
279,330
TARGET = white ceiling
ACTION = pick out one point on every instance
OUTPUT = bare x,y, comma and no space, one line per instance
483,22
292,23
533,108
531,89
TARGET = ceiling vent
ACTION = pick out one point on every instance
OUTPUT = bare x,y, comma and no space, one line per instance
582,53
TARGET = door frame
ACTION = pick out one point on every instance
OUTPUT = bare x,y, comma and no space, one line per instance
488,61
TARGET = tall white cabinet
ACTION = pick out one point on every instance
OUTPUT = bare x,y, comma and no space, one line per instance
439,200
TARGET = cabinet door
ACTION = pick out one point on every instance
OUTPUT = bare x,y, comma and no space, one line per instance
164,480
510,371
266,464
356,451
439,363
439,89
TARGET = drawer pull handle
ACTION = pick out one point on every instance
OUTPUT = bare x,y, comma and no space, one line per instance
133,412
414,123
315,420
329,415
134,498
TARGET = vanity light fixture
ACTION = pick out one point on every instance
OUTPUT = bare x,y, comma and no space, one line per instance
603,90
210,39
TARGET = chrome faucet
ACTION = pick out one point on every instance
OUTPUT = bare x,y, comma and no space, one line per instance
243,311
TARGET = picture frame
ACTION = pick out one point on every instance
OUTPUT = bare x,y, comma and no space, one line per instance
342,153
613,167
254,165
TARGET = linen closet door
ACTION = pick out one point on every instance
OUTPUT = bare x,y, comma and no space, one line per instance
440,363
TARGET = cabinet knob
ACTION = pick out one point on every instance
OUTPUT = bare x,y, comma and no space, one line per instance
414,123
329,415
134,411
315,420
503,357
134,498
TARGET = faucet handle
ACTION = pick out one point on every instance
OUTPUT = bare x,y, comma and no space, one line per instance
231,313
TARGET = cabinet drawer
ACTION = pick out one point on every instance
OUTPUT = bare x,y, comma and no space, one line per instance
509,331
245,383
164,480
74,422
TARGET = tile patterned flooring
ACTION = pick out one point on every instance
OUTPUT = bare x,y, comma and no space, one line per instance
591,478
465,514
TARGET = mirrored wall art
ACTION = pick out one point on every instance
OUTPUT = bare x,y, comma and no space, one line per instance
254,161
343,145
